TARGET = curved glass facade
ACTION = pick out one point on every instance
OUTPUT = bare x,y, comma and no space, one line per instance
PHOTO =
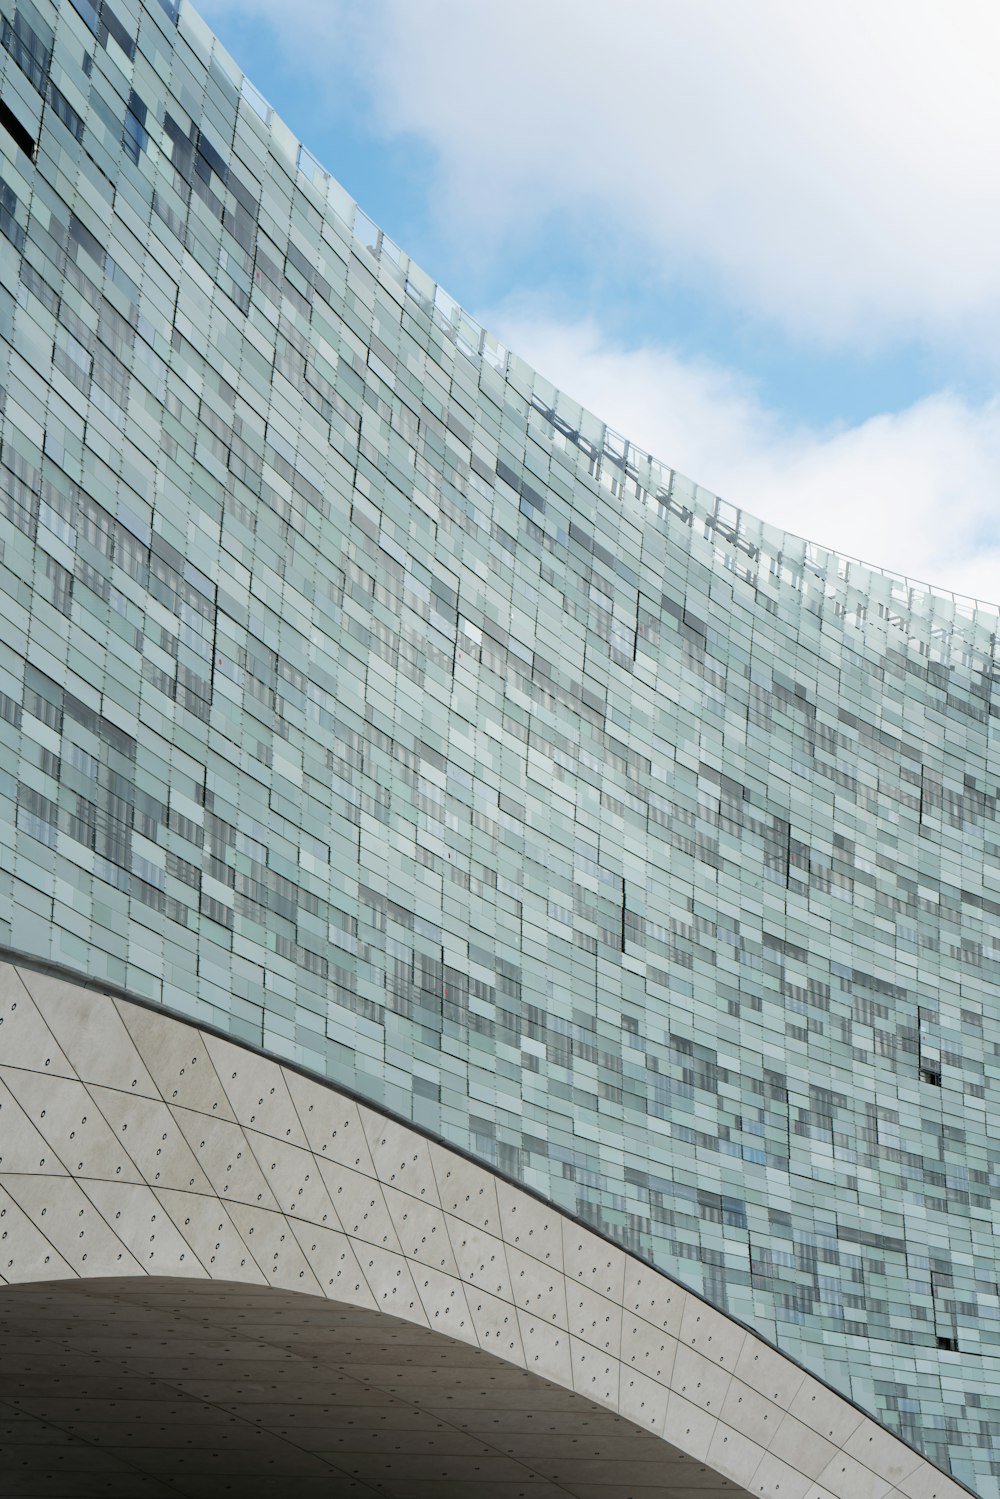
361,694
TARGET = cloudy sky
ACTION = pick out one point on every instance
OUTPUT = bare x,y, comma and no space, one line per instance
762,240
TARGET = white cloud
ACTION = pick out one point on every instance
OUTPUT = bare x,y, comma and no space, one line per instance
917,491
829,166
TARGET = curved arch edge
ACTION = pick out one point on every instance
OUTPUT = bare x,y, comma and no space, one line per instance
134,1143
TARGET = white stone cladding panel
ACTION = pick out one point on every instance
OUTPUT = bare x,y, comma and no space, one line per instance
134,1145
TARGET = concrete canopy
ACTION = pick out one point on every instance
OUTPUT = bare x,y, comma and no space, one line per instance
222,1275
160,1386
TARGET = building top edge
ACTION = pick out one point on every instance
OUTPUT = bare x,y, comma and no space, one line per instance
613,450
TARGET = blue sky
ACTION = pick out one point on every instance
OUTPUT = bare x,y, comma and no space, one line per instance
760,240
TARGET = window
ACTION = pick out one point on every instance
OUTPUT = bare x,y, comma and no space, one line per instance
23,141
64,111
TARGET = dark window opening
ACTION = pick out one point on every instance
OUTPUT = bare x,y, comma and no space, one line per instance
182,149
80,235
87,13
948,1345
64,111
17,132
28,49
135,139
102,21
931,1075
113,27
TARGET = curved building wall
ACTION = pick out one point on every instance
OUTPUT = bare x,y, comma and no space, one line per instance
364,697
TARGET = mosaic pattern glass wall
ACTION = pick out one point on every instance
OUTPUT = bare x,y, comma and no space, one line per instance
362,695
